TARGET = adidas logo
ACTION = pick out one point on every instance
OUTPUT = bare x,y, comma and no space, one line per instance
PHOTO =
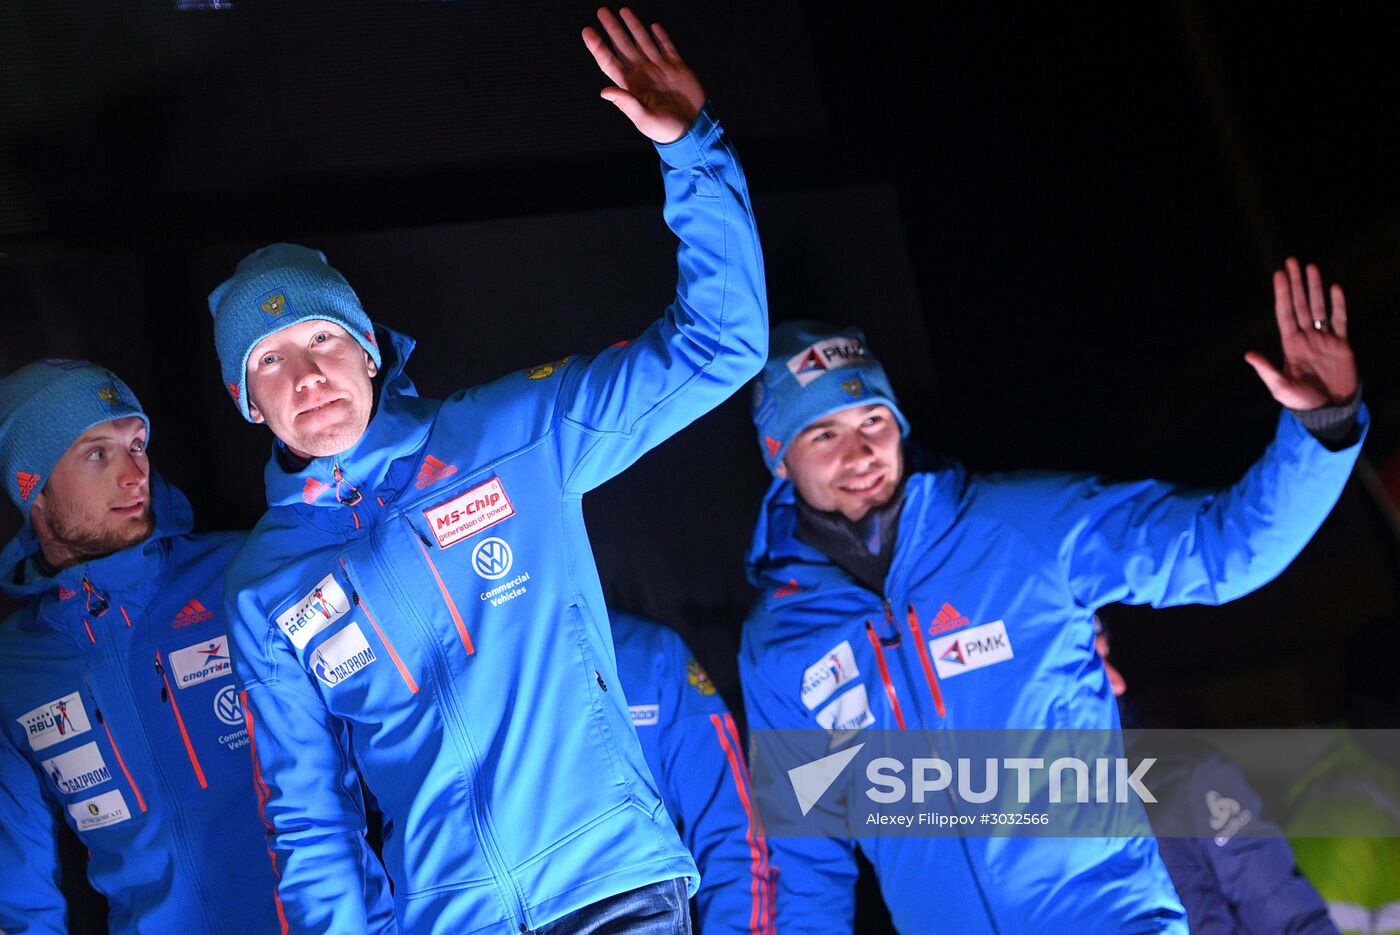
27,483
313,489
65,593
948,619
193,612
433,471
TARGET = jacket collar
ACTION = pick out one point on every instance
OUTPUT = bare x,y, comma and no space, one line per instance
399,427
133,573
931,494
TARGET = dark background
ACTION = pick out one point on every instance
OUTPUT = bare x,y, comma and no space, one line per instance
1056,224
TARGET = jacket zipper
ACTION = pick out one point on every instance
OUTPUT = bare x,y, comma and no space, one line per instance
175,806
885,673
423,544
932,679
442,671
398,663
167,695
121,761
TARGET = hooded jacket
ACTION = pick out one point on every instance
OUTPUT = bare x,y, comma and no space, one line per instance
118,714
692,746
986,622
423,610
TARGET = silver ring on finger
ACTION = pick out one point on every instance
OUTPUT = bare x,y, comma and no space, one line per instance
1319,324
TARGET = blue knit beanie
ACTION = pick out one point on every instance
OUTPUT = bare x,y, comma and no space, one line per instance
44,407
274,288
813,370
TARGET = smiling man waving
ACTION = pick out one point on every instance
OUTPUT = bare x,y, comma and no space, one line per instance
419,608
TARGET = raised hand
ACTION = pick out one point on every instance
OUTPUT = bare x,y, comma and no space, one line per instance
1318,366
650,84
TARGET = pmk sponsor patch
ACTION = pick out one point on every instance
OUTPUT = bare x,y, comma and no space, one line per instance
970,649
469,513
342,656
826,675
202,661
645,715
324,605
808,364
78,769
850,711
55,722
109,808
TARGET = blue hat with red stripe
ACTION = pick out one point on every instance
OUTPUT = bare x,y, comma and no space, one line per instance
813,370
274,288
44,407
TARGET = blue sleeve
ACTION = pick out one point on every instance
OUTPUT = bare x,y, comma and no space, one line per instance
617,405
815,878
706,783
1257,873
1155,543
308,789
30,898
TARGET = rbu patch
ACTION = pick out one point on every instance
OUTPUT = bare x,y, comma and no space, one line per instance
469,513
55,722
821,679
324,605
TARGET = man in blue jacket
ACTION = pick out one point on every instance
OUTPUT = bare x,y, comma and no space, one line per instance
1231,883
898,596
118,712
692,747
420,608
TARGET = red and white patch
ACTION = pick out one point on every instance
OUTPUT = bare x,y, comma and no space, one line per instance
971,649
469,513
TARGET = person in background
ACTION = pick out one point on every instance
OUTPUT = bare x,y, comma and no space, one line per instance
118,713
1240,876
692,747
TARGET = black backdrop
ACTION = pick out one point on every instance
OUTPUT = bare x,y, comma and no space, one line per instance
1057,226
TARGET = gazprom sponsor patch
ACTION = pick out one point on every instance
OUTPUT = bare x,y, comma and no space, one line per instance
970,649
109,808
469,513
55,722
202,661
850,711
823,677
78,769
645,715
322,606
341,656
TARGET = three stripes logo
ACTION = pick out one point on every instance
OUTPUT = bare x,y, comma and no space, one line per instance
432,471
26,483
313,489
948,619
193,612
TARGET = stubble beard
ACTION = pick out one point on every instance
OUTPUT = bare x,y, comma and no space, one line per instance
79,540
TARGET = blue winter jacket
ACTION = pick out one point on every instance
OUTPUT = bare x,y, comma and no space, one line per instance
118,713
1239,877
692,747
423,610
1016,564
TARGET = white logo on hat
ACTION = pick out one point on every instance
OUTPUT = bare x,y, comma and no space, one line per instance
828,354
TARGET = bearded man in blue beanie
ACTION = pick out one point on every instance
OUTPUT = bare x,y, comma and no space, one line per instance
903,595
118,712
419,608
